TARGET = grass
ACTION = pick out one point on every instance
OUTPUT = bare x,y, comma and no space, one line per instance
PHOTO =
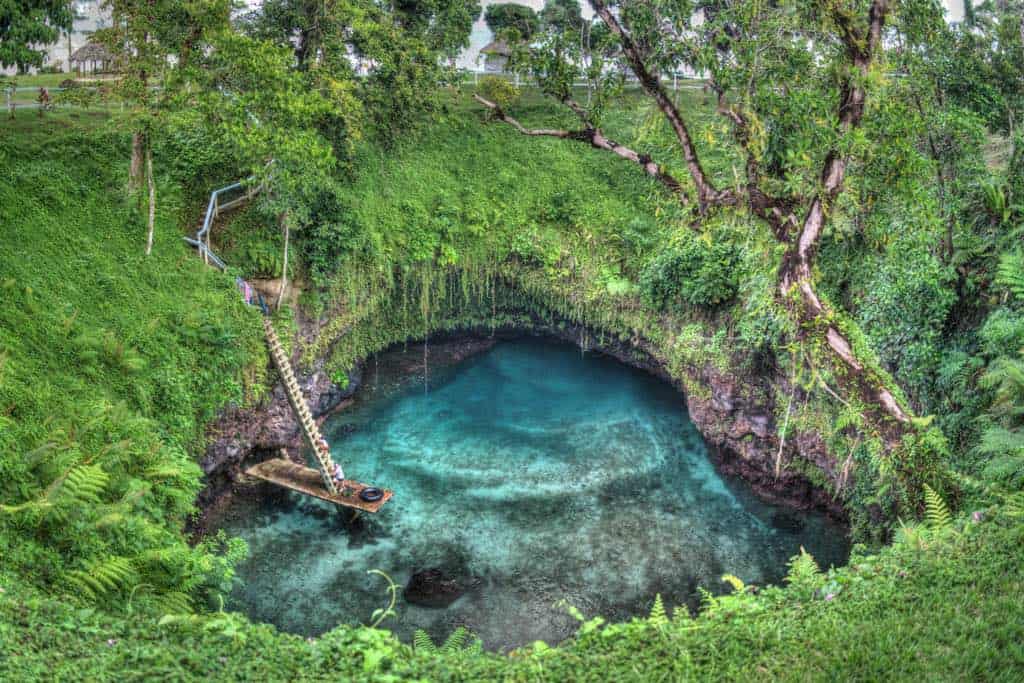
111,364
52,80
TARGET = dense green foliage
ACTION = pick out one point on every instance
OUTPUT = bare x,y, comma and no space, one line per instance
504,17
28,24
505,210
111,364
693,273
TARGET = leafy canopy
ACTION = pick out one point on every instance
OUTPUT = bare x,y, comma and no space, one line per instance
27,27
512,20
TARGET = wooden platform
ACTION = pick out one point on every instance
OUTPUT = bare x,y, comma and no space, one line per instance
307,480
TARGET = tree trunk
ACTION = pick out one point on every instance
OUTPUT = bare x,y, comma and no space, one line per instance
152,201
135,170
797,273
284,266
797,270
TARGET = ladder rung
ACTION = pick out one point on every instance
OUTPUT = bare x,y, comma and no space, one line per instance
299,405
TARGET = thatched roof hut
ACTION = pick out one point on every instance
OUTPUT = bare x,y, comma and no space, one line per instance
91,57
496,54
498,48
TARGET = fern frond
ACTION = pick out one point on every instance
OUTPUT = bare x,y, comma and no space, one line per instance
422,643
173,603
802,569
1010,273
82,484
1014,506
165,470
100,579
734,581
113,517
455,641
935,510
658,615
999,440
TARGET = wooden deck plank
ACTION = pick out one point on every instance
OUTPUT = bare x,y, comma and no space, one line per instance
307,480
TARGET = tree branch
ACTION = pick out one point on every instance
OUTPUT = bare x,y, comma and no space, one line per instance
776,211
851,111
707,193
595,138
798,263
577,109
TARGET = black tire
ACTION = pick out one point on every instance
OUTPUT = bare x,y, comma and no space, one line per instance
371,494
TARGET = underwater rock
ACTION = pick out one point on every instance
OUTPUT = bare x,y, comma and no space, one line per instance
790,523
432,588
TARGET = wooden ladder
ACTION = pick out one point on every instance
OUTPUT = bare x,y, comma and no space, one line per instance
298,403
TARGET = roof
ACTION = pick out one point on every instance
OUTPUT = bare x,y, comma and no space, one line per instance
496,47
91,52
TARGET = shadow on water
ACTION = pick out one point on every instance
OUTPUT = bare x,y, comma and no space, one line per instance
527,474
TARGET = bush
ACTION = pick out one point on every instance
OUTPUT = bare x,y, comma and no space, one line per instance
499,91
693,273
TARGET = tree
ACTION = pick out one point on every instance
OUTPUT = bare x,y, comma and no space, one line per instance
27,27
791,83
285,98
504,18
253,102
400,47
564,16
153,41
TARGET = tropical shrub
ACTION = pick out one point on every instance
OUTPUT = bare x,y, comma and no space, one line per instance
693,273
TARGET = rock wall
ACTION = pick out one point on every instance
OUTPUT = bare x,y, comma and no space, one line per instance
252,434
734,411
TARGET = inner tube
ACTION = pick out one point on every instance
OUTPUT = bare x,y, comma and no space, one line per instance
371,494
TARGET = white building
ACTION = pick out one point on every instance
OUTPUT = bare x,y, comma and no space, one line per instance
88,18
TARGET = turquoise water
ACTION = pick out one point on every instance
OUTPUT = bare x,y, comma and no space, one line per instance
532,474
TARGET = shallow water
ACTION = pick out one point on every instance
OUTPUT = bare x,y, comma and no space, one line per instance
533,473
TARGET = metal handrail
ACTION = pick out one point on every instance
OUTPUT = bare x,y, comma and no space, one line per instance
202,239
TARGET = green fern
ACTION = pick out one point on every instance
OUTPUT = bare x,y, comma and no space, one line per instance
1014,506
1010,273
166,471
422,644
455,642
935,510
80,486
100,579
803,570
173,603
658,615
